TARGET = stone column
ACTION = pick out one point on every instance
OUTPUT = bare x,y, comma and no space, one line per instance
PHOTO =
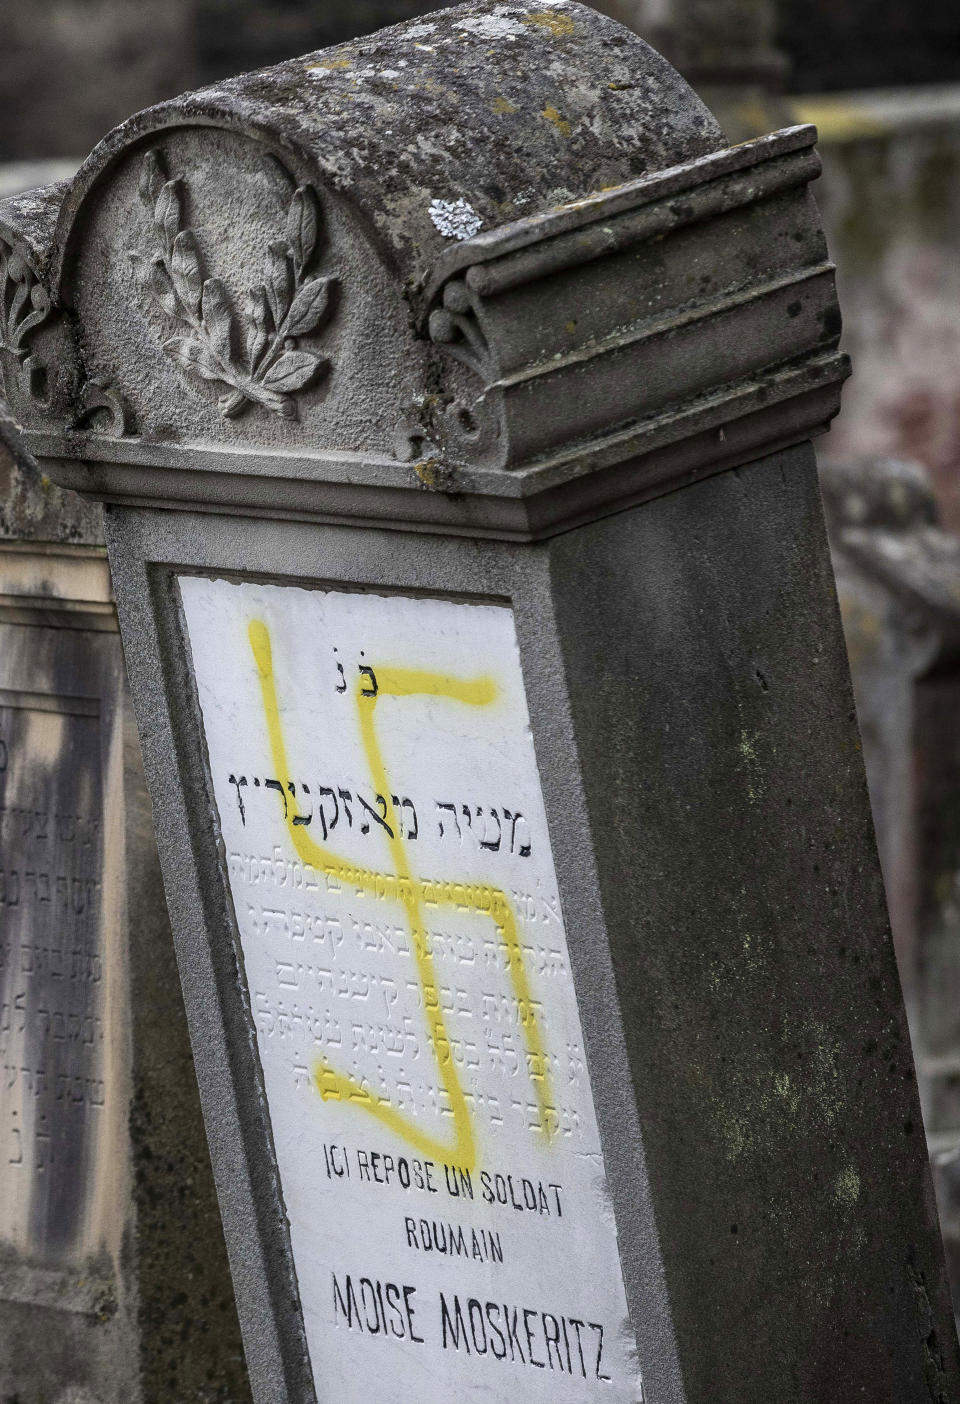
450,395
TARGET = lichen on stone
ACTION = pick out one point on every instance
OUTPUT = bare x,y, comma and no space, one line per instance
455,219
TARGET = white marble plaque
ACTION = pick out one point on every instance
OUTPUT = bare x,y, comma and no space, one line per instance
395,893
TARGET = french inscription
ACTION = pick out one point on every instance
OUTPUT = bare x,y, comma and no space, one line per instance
388,856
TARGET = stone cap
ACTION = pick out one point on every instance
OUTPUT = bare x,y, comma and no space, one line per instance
489,271
456,122
29,218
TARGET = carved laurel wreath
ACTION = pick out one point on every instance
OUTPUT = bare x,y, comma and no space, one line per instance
255,353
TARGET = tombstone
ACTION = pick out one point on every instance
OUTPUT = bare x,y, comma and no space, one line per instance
113,1276
449,394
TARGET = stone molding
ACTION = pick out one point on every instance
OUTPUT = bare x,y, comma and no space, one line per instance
775,323
56,584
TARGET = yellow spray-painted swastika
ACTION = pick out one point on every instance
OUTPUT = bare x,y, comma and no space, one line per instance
488,902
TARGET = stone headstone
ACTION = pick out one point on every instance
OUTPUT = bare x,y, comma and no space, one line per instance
449,393
877,45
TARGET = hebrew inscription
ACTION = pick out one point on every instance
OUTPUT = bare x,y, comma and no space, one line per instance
409,979
53,1079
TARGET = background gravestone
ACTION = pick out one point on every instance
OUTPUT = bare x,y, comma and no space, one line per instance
450,393
113,1278
898,578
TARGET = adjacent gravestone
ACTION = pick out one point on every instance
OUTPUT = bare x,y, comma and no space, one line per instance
898,579
449,394
105,1190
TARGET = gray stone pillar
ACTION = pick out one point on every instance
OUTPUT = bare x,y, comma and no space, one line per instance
450,395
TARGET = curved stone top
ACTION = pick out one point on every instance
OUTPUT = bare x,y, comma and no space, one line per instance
494,269
457,122
29,220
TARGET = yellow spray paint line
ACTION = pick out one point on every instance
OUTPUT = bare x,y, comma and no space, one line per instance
411,892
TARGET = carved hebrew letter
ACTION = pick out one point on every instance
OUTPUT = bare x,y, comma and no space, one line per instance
493,845
304,819
380,819
524,849
276,785
328,828
242,781
453,812
401,804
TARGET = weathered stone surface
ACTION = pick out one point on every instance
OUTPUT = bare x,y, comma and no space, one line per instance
762,991
32,507
568,102
600,110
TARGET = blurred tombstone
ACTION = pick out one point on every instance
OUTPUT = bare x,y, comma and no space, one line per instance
450,396
872,44
233,35
898,579
71,69
113,1278
891,206
727,51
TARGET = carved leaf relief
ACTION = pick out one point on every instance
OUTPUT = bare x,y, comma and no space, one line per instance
25,305
253,351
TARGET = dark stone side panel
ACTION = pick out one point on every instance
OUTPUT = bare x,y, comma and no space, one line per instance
190,1346
757,980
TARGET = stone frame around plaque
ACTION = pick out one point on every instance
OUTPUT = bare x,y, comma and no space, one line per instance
188,837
